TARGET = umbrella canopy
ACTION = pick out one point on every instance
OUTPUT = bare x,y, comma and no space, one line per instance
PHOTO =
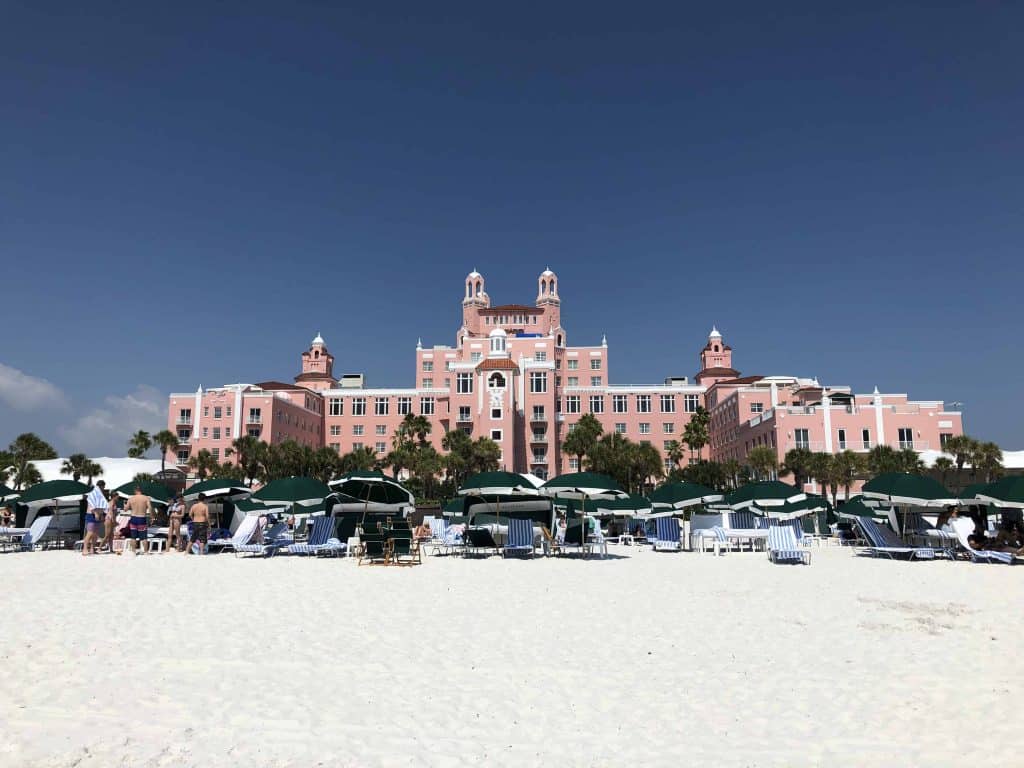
683,495
769,493
55,489
1006,492
969,494
792,509
8,495
222,487
157,492
304,491
904,488
583,485
498,483
628,506
857,508
372,487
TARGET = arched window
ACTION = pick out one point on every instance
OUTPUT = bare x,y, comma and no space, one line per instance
558,340
497,381
715,347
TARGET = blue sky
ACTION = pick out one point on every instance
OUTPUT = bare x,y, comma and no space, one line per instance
189,194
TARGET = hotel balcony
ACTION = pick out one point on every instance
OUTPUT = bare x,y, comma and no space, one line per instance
254,420
186,422
539,438
539,460
538,417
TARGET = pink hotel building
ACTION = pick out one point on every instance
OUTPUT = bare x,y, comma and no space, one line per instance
513,377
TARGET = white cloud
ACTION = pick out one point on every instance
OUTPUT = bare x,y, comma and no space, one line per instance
23,392
104,431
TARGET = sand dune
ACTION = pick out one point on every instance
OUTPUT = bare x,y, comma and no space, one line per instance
647,659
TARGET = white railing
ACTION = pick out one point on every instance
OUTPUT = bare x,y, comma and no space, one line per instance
540,460
539,439
184,422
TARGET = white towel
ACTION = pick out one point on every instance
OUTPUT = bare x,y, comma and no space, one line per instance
96,499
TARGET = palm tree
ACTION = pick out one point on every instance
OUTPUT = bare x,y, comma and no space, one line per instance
910,461
988,459
848,465
167,441
139,444
583,438
797,463
960,447
943,465
203,463
247,449
732,468
73,465
695,433
26,448
763,461
676,452
882,459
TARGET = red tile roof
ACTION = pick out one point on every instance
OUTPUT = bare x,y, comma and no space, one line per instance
497,364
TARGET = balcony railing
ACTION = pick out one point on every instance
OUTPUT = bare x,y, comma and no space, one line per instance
858,446
539,439
184,422
538,416
539,460
254,420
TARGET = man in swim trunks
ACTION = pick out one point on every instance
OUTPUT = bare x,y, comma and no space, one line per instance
140,508
200,523
95,510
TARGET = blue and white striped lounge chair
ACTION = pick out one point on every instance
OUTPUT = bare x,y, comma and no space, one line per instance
742,521
274,538
243,533
762,523
784,548
596,541
667,535
321,540
964,527
519,539
29,538
882,541
721,541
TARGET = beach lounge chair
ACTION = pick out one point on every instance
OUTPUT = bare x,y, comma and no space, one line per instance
744,521
373,551
667,537
438,542
552,546
964,527
784,548
573,537
520,538
882,541
29,538
404,551
321,540
273,539
479,541
243,533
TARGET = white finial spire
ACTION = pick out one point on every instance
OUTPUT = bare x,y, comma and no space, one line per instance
604,340
319,339
419,343
876,392
714,333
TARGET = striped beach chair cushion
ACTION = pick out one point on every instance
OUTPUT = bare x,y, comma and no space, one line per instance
782,544
520,535
741,520
667,530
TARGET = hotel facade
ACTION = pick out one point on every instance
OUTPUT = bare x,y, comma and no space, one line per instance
512,376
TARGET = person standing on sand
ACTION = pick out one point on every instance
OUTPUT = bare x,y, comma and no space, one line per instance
175,514
141,508
95,510
110,523
200,524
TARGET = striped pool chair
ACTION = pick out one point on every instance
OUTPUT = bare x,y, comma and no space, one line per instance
784,548
520,538
273,539
882,541
29,538
666,536
742,520
763,523
964,527
321,540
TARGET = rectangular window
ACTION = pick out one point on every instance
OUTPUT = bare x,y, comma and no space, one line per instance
496,435
496,413
381,447
357,446
357,429
574,464
540,355
358,406
426,406
757,407
643,403
865,438
335,430
184,435
597,403
381,406
572,404
690,403
573,365
185,416
802,438
645,427
668,403
538,413
595,381
216,453
620,403
595,363
474,357
574,381
206,411
906,437
464,383
227,432
428,365
217,412
255,416
668,427
381,429
253,432
335,406
465,413
428,383
183,456
538,382
404,406
227,412
336,447
943,439
206,431
842,439
620,427
667,445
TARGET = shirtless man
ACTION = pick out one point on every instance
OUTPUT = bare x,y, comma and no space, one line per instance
200,523
95,510
141,508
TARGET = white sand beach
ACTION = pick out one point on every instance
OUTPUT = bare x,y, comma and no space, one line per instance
649,659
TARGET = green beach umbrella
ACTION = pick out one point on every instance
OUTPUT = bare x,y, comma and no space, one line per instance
904,488
969,495
769,493
373,487
157,492
497,483
304,491
1006,492
810,505
53,490
583,485
8,495
855,508
229,490
683,495
629,506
